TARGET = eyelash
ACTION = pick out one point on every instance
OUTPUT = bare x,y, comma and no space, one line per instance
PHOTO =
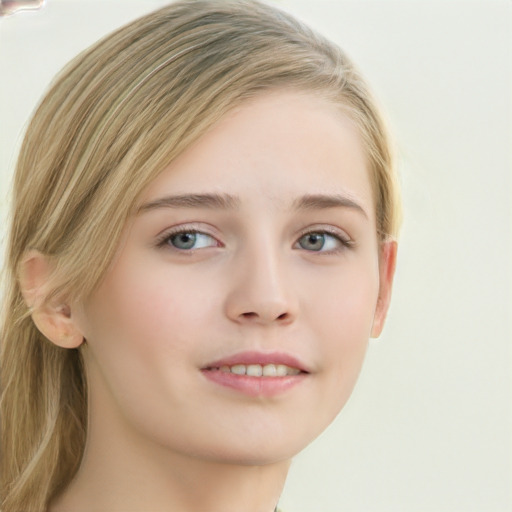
163,241
345,242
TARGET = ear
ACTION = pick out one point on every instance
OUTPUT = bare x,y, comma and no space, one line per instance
53,318
387,263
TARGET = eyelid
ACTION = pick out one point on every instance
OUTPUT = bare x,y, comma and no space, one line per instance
330,230
341,235
162,238
346,241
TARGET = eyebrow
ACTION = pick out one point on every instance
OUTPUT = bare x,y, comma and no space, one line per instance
209,201
325,201
230,202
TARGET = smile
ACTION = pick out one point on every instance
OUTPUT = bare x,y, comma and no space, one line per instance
258,370
257,374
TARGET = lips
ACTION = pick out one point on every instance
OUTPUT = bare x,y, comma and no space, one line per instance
259,358
256,373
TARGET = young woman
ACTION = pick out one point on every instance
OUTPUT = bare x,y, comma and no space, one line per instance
202,242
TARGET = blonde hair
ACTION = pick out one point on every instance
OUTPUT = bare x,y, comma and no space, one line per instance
114,118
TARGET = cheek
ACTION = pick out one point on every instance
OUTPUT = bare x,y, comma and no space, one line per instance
141,333
147,306
343,317
345,305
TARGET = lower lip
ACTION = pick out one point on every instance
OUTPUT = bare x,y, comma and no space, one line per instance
254,386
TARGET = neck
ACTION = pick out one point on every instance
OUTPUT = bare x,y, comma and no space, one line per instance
119,473
212,488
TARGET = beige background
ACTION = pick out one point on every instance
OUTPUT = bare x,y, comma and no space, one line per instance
429,428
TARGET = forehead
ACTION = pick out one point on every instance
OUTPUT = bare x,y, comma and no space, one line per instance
275,147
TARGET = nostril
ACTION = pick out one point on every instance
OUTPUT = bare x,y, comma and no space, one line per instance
251,315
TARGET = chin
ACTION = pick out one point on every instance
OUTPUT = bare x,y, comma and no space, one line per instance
247,450
247,458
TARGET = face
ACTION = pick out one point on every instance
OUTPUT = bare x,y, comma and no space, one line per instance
234,321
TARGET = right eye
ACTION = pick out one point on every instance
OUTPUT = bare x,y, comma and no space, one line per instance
187,240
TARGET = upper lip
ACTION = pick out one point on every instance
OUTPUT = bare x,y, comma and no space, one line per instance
261,358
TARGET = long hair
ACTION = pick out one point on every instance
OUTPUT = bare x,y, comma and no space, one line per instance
114,118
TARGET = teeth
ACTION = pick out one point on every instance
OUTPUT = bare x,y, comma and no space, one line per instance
270,370
254,370
239,369
257,370
281,370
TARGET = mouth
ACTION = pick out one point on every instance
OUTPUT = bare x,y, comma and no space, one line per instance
257,374
258,370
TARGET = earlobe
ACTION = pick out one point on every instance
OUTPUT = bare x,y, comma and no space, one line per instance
53,318
387,264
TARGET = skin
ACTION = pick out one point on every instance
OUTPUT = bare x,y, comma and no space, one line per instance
162,436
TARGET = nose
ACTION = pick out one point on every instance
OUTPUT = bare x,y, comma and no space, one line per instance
261,291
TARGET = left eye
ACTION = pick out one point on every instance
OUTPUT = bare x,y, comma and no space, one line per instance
186,240
321,242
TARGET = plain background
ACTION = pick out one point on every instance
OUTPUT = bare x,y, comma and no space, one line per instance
429,427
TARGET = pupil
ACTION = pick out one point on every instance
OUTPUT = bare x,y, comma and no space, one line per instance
314,242
184,240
